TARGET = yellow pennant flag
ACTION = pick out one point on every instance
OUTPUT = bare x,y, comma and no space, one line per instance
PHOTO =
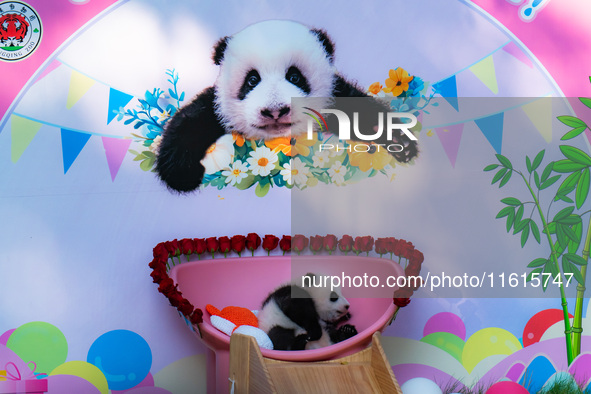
485,71
79,85
540,114
22,132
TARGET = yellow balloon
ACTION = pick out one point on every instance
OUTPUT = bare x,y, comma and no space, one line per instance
85,371
488,342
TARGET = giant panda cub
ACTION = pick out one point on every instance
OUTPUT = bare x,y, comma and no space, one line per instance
305,318
261,69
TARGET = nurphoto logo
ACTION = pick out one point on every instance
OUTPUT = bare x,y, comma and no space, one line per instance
20,30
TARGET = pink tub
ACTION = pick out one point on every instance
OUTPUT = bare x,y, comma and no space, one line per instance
247,281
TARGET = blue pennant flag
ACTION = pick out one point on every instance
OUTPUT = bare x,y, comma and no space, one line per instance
448,90
492,128
116,99
72,144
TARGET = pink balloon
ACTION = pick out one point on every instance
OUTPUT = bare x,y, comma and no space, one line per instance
506,388
61,384
147,382
4,337
445,322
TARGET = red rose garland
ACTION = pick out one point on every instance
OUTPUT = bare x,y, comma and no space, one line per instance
165,251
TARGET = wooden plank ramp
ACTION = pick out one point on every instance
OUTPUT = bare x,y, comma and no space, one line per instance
367,371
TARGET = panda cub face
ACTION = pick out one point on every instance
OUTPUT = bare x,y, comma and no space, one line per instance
331,306
262,68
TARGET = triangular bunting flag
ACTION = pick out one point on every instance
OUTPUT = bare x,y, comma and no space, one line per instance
518,54
485,71
22,132
492,128
72,144
540,114
448,90
115,149
52,66
450,138
79,85
116,99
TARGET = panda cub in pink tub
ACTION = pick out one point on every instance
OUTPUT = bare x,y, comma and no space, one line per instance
262,68
305,317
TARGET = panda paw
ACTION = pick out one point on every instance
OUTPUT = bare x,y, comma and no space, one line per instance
347,331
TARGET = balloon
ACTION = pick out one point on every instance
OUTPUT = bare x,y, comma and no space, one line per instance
4,337
420,386
123,356
447,342
85,371
539,323
506,388
60,384
488,342
445,322
41,343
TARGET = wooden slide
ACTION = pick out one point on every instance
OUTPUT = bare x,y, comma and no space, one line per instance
367,371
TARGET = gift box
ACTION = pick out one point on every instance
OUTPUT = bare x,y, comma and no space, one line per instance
28,386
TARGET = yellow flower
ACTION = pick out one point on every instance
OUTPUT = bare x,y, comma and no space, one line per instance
367,156
238,138
375,88
398,81
300,145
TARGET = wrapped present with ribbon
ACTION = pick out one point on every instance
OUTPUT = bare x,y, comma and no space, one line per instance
15,381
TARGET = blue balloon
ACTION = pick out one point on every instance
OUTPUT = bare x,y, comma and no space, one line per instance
123,356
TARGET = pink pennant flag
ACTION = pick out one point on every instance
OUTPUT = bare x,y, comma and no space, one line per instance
115,150
52,66
517,53
450,137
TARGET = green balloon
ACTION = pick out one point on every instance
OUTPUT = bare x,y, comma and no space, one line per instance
41,343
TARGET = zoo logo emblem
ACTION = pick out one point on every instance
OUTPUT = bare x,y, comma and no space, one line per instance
20,30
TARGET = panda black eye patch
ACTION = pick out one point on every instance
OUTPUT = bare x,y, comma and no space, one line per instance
295,77
334,296
251,80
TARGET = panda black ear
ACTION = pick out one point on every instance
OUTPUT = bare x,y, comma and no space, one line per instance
310,279
326,43
218,50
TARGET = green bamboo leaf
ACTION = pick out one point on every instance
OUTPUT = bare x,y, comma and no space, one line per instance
535,231
582,188
586,101
573,133
566,165
504,161
570,234
524,235
498,175
538,159
571,121
504,212
520,226
570,268
563,198
506,178
573,247
536,271
537,180
547,171
550,182
570,220
537,263
564,213
561,236
528,164
551,229
510,219
575,154
511,201
490,167
568,185
575,259
261,191
519,213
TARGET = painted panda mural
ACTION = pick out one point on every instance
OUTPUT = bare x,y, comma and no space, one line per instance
262,68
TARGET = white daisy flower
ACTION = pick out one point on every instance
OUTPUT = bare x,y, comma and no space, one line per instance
339,149
286,173
262,161
320,159
236,173
337,173
219,155
299,172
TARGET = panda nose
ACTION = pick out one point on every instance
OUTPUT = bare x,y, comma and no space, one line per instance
275,114
347,307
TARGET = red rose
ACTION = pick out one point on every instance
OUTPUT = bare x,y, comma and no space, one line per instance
330,243
167,286
270,242
299,243
199,246
225,245
185,307
401,302
403,292
346,243
160,252
212,245
405,248
316,243
196,316
238,243
382,246
157,263
416,257
253,241
186,246
159,274
285,243
173,247
363,244
175,298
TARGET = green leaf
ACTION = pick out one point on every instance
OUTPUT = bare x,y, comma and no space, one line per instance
582,188
506,178
528,164
524,235
538,159
520,226
550,182
575,154
510,219
547,171
586,101
535,231
570,220
551,229
563,214
537,263
536,271
561,236
566,165
261,191
568,185
245,183
537,180
498,175
570,234
573,133
147,164
519,213
511,201
504,212
504,161
569,268
490,167
571,121
578,229
575,259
